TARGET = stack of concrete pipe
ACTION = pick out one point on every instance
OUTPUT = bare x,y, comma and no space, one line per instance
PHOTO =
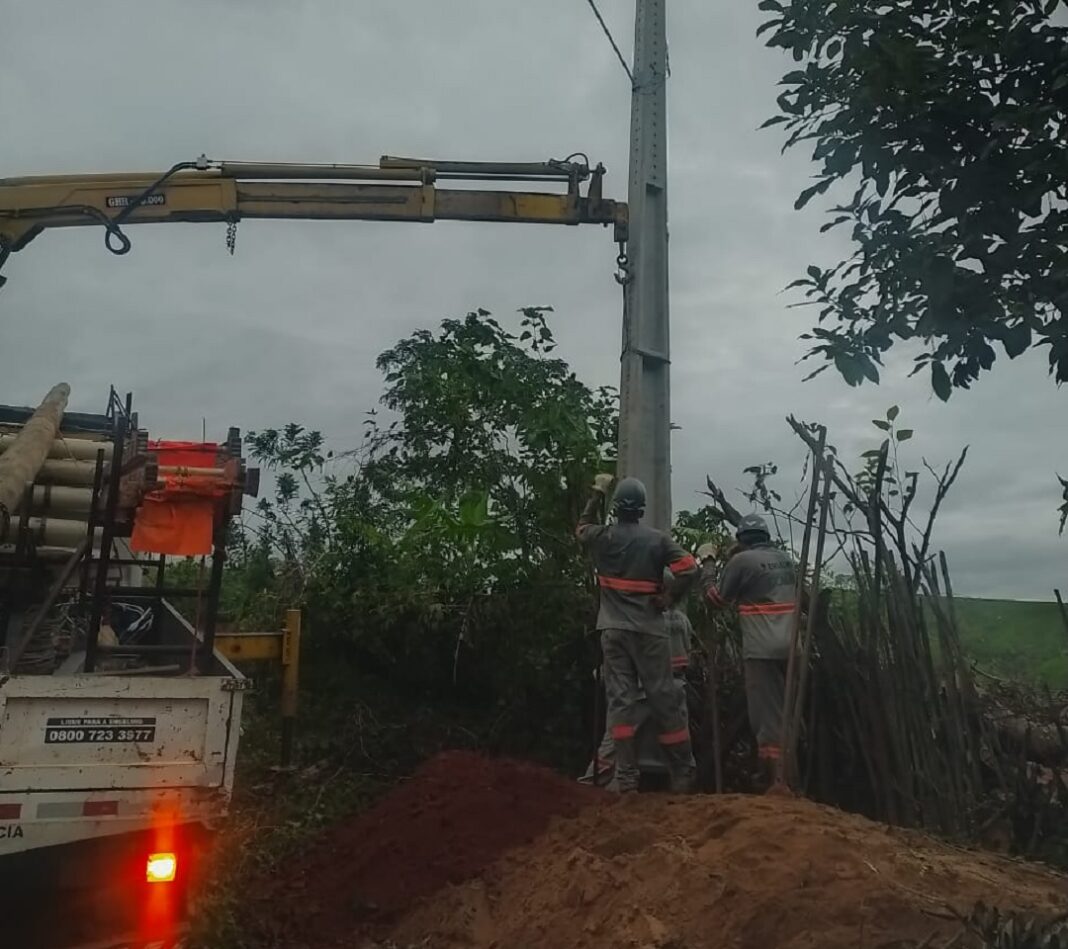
61,470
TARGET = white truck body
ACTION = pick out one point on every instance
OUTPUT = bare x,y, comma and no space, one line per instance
119,723
97,772
93,755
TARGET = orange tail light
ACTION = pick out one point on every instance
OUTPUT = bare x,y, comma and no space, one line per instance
161,868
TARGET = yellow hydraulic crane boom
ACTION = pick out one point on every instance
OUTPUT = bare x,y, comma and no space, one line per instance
397,189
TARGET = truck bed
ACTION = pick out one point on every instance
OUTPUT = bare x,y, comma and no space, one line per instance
88,755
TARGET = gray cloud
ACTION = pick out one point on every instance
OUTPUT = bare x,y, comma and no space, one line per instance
289,328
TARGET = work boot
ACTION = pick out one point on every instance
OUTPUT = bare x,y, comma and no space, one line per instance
627,774
681,768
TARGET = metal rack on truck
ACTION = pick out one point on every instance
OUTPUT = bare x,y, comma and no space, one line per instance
119,719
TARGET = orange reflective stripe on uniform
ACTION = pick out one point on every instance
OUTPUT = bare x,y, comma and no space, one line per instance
686,563
769,752
680,662
628,586
675,738
765,609
622,731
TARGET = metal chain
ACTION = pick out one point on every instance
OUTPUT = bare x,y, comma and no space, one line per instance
231,236
623,274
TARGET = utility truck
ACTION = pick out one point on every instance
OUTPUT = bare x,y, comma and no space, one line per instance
119,719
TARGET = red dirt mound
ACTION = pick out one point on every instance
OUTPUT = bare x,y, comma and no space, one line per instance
724,872
456,815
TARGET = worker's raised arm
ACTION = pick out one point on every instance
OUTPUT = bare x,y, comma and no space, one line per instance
683,567
589,523
720,588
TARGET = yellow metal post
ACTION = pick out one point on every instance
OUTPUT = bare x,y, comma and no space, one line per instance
250,647
290,683
283,646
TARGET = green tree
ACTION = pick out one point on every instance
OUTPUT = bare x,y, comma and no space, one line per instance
949,118
703,526
442,549
491,432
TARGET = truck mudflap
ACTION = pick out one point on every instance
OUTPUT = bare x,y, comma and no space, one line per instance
106,890
133,941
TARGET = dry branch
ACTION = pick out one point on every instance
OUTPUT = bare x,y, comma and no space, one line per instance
726,509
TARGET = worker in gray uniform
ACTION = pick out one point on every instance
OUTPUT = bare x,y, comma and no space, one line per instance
761,581
630,559
650,753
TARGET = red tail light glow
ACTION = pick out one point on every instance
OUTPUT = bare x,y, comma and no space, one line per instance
161,868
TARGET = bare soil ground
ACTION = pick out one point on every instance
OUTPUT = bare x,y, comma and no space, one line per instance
490,854
446,824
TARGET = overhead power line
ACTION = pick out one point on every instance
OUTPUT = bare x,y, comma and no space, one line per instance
611,39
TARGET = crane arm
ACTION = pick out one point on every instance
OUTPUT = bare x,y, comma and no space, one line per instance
394,190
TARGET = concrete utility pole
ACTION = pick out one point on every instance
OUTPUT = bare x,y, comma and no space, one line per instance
645,382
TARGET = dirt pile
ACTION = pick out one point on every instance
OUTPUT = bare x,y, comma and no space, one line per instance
448,823
495,854
723,873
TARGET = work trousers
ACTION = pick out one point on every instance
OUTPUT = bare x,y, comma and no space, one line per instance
651,757
765,685
635,663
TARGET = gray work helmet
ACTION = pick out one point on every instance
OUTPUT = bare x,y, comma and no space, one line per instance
752,524
629,497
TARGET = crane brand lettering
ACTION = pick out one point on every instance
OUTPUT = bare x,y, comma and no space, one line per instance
123,200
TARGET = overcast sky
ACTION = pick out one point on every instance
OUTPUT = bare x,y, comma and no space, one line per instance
289,328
